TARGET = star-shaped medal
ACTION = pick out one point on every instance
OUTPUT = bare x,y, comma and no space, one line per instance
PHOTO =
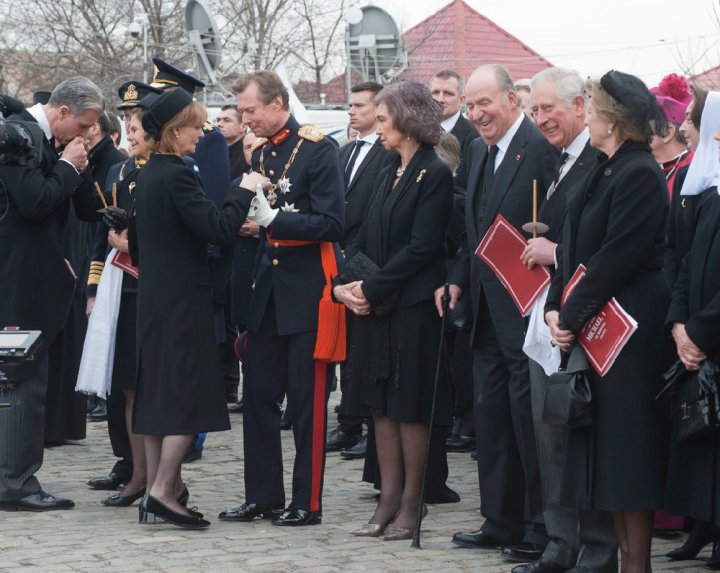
289,208
284,185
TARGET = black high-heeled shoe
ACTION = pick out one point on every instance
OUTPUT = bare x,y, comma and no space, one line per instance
119,500
145,517
701,534
159,509
184,497
714,561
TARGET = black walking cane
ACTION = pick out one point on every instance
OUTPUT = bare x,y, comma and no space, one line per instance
441,357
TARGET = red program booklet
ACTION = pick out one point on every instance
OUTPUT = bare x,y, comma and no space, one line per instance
605,335
501,249
123,261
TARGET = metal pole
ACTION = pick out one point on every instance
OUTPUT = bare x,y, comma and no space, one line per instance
348,69
145,61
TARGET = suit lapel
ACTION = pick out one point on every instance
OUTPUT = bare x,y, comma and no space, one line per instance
478,151
505,173
374,150
582,166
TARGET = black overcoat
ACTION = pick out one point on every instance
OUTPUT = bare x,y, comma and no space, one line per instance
693,487
616,227
180,385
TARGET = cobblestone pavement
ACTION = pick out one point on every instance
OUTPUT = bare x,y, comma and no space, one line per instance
92,538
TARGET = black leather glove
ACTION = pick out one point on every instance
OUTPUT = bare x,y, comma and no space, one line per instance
115,218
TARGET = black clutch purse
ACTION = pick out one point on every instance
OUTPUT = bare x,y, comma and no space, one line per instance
361,267
695,399
568,395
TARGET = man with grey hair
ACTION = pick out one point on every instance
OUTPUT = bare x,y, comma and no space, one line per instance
502,166
558,105
36,280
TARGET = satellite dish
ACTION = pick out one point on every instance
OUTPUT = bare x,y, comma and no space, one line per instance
354,15
204,38
375,45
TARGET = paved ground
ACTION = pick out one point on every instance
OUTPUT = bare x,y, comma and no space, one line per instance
92,538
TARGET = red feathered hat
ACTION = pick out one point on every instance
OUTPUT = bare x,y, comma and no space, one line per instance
673,96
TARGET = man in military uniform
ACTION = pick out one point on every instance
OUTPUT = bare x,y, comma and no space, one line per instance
301,217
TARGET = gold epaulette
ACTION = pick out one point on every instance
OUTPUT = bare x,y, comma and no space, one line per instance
96,269
258,143
311,132
207,127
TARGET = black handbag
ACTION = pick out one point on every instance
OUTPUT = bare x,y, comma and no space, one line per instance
568,395
695,399
361,267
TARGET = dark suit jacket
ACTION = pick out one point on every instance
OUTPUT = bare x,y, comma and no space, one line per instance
35,284
361,188
465,133
405,230
553,210
528,157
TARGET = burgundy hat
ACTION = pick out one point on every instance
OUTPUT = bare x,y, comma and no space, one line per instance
673,96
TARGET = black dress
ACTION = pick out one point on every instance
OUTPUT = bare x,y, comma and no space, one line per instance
693,484
392,359
615,226
180,386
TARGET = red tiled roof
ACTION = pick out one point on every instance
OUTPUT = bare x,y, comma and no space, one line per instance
459,37
708,80
456,37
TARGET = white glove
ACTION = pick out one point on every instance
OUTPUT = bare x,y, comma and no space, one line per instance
260,211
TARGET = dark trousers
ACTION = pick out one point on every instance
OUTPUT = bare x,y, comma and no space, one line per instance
22,428
461,382
118,433
508,468
347,423
276,365
592,537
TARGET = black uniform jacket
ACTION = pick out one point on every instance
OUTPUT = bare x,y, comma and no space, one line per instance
35,284
405,230
529,156
696,297
361,187
312,209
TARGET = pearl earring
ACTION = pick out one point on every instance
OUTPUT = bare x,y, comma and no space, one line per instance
610,129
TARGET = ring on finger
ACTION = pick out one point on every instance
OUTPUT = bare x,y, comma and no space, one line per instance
531,261
553,342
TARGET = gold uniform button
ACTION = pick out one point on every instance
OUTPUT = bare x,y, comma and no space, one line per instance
274,154
277,245
271,173
275,262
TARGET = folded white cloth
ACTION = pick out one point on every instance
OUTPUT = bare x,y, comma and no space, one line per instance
538,338
96,365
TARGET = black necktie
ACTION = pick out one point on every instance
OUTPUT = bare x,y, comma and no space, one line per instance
353,158
558,167
489,170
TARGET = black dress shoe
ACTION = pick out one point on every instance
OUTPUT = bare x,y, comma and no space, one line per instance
476,540
250,511
40,501
339,440
236,408
357,452
156,508
184,497
458,443
119,500
98,414
539,566
297,517
110,482
523,552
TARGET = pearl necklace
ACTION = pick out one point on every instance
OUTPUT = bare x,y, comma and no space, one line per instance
400,171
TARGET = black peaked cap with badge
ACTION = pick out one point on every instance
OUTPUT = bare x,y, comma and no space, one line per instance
168,76
132,92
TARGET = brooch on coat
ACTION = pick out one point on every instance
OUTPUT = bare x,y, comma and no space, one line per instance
419,177
289,208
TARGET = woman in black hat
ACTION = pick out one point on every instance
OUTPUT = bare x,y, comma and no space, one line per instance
180,388
615,227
